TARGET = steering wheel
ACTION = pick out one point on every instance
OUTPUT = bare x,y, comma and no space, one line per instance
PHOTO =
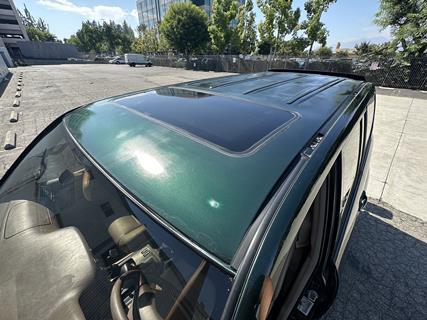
142,307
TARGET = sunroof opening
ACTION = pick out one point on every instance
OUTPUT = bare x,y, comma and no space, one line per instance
231,124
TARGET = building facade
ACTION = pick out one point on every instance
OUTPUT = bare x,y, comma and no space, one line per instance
151,12
11,28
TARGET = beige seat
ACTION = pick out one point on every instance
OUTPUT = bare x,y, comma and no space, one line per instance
125,230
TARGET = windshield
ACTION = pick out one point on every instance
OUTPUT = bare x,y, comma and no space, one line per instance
56,190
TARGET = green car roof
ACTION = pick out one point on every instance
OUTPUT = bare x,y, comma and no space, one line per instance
205,155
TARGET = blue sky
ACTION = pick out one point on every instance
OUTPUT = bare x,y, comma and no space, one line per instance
348,21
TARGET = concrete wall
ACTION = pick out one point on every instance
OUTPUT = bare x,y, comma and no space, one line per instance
4,71
4,53
6,57
47,50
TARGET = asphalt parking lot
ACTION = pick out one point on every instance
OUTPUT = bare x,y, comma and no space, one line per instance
384,271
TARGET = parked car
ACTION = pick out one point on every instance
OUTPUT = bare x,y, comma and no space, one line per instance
117,60
134,59
225,198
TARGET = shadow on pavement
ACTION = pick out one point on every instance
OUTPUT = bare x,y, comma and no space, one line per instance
383,274
379,211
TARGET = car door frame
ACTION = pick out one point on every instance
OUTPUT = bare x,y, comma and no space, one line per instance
305,175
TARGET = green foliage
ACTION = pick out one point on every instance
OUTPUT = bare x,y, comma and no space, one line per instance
408,22
163,44
246,29
367,49
126,38
264,47
287,19
89,37
185,28
267,26
73,40
280,20
294,47
141,28
223,36
323,52
150,42
108,37
314,28
363,48
37,35
37,29
341,54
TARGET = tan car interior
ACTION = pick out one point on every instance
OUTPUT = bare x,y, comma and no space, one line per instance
64,271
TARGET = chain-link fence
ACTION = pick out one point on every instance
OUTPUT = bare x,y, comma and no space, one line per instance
379,71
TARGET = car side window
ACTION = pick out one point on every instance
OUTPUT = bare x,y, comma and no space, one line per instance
350,161
370,116
306,247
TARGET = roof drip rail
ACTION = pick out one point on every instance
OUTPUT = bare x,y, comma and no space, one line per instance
229,83
326,73
274,84
312,91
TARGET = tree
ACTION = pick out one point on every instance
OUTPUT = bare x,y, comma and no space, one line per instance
108,37
246,30
220,29
141,28
73,40
323,52
341,54
363,48
294,47
314,28
407,20
41,36
266,28
287,20
147,42
185,28
163,44
264,47
279,22
376,50
88,37
126,38
37,29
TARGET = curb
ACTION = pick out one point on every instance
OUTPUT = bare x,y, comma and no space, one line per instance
13,116
10,140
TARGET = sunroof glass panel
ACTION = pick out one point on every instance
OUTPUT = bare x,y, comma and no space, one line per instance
231,124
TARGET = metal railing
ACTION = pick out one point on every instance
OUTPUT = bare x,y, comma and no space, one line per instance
378,70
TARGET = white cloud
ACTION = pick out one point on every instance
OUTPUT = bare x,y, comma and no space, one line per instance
134,13
93,13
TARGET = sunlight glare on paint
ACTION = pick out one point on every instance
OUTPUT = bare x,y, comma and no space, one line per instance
150,164
214,204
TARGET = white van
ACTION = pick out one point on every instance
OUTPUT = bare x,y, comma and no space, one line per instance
132,59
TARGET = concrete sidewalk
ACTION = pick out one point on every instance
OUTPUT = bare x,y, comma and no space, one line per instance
399,160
